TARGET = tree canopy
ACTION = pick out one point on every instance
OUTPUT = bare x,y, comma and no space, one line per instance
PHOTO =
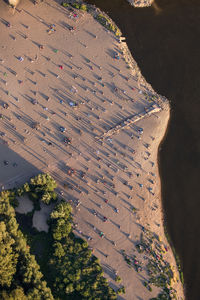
20,276
70,272
78,271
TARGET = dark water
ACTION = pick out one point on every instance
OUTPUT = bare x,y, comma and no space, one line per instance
165,41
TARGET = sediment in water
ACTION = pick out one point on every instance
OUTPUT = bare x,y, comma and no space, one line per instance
141,3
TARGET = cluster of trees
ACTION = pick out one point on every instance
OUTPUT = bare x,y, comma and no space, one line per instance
70,272
41,187
78,274
20,276
166,294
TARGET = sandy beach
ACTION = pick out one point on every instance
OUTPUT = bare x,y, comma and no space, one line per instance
72,107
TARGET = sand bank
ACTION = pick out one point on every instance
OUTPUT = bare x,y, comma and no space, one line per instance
63,75
141,3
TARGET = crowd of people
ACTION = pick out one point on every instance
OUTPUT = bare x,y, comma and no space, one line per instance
72,105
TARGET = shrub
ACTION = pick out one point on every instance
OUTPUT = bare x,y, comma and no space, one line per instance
14,202
117,278
19,192
54,197
26,187
64,4
83,7
46,197
121,290
35,199
146,284
76,5
106,22
30,214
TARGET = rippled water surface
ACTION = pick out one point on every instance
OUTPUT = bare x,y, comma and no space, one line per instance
165,42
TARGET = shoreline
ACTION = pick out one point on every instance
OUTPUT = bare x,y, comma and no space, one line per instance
175,254
126,240
136,70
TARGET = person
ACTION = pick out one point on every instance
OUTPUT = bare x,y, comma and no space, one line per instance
71,28
83,174
102,235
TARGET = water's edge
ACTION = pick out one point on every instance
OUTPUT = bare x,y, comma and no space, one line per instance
166,232
165,104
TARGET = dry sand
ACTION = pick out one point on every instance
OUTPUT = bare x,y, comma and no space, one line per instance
60,70
40,217
25,205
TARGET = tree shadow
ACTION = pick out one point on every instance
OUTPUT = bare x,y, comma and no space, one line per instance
18,170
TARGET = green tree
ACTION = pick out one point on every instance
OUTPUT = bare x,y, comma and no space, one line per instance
43,182
62,210
26,187
16,294
46,197
8,259
17,265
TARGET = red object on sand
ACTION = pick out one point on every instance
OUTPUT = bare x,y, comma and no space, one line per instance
61,67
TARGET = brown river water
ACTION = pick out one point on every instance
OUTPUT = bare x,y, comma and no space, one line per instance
165,42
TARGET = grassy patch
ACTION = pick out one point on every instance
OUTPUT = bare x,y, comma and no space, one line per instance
108,23
101,18
157,269
76,5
